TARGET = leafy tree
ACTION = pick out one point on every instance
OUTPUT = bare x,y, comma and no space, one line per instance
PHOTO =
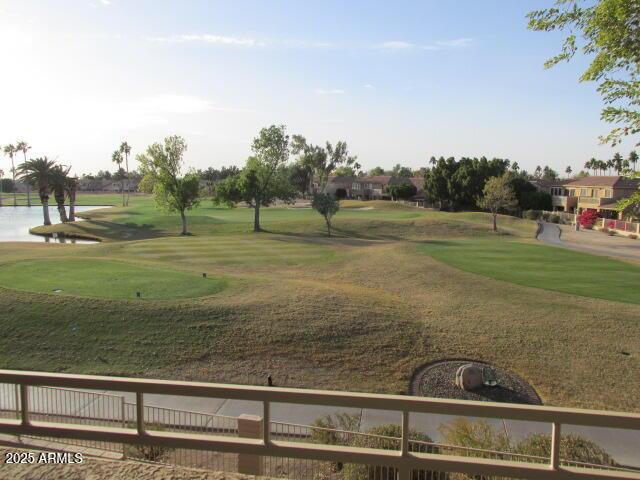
549,173
401,172
172,192
538,172
301,177
326,160
117,158
402,191
573,448
568,171
345,171
125,150
38,173
327,206
528,196
497,195
24,147
606,30
515,167
10,151
265,176
341,193
376,171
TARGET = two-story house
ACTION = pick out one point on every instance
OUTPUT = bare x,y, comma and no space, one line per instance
371,188
598,193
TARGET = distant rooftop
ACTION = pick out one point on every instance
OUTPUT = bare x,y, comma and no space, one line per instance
615,181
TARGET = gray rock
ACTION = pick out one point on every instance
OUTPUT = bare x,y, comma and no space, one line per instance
469,377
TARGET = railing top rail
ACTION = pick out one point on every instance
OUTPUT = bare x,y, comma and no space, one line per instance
572,416
204,414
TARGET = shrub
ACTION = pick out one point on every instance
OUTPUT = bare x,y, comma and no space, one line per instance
633,236
545,216
612,233
532,214
150,453
554,218
588,218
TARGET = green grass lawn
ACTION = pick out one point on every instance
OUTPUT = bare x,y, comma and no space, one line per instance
104,279
541,266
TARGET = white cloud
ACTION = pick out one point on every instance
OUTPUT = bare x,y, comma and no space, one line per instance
334,91
164,103
368,86
457,42
210,39
105,2
396,45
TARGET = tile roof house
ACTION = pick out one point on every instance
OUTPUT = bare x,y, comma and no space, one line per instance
370,188
600,193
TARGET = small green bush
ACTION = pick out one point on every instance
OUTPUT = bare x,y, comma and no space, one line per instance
532,214
554,218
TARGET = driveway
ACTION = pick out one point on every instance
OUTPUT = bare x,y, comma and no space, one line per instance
590,241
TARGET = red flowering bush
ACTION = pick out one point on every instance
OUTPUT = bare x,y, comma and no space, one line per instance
588,218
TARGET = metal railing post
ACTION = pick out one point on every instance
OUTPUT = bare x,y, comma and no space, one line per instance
555,446
123,412
24,404
405,471
140,413
266,422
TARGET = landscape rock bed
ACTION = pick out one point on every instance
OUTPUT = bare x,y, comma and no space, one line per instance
438,380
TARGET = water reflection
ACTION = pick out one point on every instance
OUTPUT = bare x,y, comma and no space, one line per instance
15,223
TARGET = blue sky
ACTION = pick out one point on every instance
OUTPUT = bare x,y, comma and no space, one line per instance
399,81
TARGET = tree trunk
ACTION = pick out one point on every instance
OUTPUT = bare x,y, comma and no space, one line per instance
45,211
256,218
184,222
495,226
13,173
122,188
128,177
72,208
328,226
62,211
28,195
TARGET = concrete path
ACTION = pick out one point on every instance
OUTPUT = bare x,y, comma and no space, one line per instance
623,445
590,241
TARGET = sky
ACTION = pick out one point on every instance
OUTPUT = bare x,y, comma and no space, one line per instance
398,81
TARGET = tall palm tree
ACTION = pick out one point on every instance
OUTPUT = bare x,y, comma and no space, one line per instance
617,162
633,159
58,187
568,171
10,151
38,173
610,165
23,147
70,188
126,150
116,157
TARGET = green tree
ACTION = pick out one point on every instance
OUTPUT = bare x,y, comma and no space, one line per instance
58,188
401,172
549,173
38,173
497,195
402,191
117,158
633,159
607,31
125,150
326,160
327,206
377,171
618,162
172,192
24,147
10,151
568,171
265,176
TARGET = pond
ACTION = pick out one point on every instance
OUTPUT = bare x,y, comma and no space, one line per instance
15,223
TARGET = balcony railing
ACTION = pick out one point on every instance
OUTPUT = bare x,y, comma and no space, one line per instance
404,460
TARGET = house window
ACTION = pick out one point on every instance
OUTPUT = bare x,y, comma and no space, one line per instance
583,192
572,192
609,193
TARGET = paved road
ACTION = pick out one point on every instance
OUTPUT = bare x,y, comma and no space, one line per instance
623,445
590,241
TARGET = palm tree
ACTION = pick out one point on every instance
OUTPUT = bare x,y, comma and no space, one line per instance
602,166
610,165
10,151
633,159
591,164
23,147
38,173
116,157
58,187
568,171
126,149
617,162
70,188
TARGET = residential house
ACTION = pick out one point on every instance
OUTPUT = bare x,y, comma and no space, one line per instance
371,188
600,193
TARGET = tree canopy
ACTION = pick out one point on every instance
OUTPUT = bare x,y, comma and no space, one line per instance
608,31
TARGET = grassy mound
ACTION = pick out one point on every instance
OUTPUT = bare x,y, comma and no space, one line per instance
541,266
104,279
